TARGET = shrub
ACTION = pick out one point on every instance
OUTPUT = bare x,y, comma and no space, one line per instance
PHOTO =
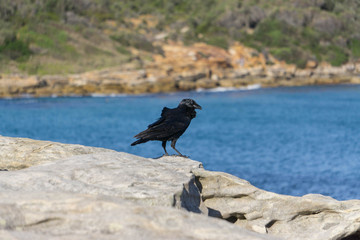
274,33
219,41
291,55
123,50
15,49
355,47
311,41
336,55
137,41
328,5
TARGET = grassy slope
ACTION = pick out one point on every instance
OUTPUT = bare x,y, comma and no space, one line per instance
65,36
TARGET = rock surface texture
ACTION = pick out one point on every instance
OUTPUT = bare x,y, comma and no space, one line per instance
18,153
312,216
93,193
102,194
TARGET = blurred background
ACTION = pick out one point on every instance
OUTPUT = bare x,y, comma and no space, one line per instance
277,80
65,36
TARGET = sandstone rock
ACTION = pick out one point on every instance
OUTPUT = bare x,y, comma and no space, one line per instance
311,64
303,73
184,68
355,80
17,153
227,83
159,182
309,217
40,215
18,81
206,83
55,80
186,85
241,73
104,195
92,193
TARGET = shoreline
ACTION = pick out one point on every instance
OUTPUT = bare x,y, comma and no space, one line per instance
354,80
182,68
146,94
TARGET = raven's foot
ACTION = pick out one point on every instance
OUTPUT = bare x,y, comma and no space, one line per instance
165,155
180,155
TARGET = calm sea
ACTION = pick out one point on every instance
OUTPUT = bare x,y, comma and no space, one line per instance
293,141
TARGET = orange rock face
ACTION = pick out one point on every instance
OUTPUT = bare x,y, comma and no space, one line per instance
183,68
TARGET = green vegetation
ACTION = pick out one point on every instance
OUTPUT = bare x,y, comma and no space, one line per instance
136,41
219,41
65,36
355,47
15,49
335,55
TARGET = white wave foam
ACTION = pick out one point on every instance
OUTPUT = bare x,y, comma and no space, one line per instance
252,87
100,95
226,89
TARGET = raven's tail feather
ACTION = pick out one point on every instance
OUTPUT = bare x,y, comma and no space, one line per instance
139,141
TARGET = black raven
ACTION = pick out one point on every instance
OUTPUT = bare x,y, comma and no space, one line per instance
171,125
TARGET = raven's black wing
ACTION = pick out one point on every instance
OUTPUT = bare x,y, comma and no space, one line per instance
161,119
163,131
171,123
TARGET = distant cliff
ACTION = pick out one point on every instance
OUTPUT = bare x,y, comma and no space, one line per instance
183,68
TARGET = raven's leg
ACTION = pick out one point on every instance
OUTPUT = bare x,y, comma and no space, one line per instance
164,146
173,142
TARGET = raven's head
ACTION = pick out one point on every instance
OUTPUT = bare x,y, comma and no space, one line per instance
190,103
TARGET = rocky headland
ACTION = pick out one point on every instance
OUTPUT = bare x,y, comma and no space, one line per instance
62,191
182,68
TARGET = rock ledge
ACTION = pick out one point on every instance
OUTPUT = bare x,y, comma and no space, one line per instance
65,191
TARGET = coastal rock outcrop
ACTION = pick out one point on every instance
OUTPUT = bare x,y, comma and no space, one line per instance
105,195
43,215
115,174
312,216
18,153
183,68
93,193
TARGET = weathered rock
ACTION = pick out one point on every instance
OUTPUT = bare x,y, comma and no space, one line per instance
40,215
311,64
17,153
92,193
309,217
105,195
121,175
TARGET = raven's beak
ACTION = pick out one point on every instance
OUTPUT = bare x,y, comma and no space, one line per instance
197,106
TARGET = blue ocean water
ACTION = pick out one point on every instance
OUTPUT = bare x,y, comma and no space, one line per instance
293,141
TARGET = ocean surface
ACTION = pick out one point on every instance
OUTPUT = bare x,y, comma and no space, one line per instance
294,141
